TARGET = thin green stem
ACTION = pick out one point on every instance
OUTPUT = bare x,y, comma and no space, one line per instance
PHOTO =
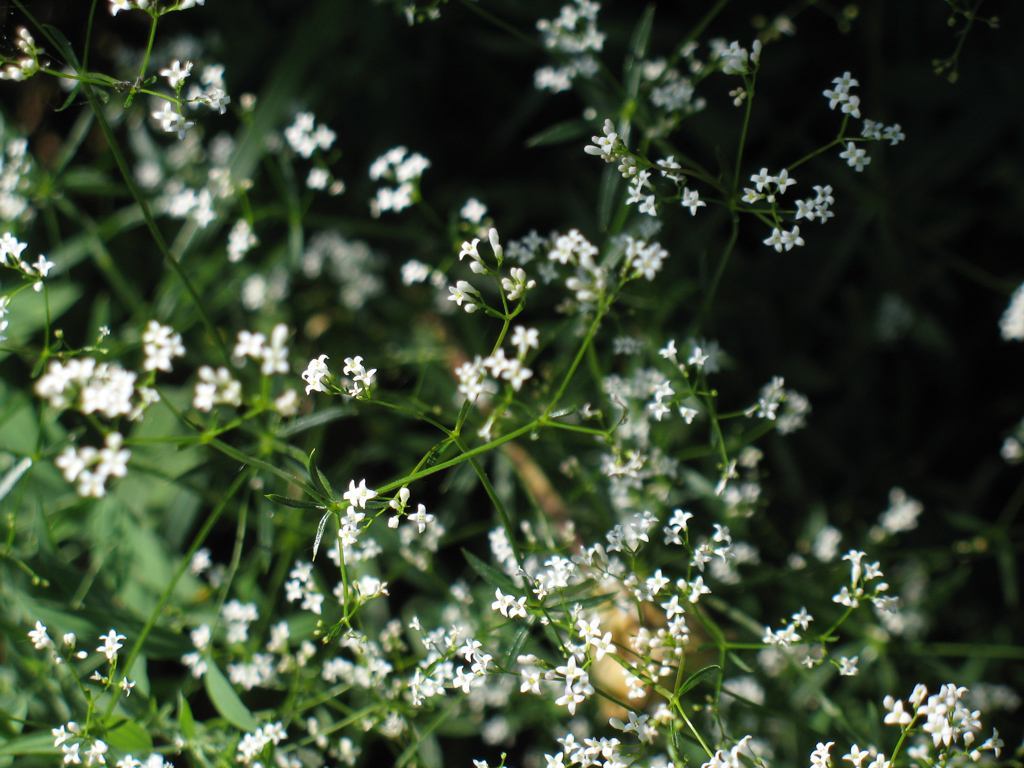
709,297
151,224
743,135
197,542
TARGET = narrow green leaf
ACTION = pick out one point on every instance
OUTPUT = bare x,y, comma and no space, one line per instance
594,600
126,735
38,743
12,477
559,133
607,194
297,503
186,722
319,480
637,50
734,657
696,678
226,701
491,575
320,533
252,461
517,645
63,44
318,419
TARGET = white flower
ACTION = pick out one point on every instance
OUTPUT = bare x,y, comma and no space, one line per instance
473,211
315,373
525,338
111,644
848,666
172,121
421,517
358,496
691,199
854,157
40,639
176,73
1011,324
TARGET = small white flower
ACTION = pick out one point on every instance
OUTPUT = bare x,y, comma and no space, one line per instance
358,496
111,644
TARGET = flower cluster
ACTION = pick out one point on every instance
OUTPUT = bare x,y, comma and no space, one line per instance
574,35
10,256
91,467
849,103
91,387
405,170
305,136
161,344
26,65
302,587
216,387
272,353
472,375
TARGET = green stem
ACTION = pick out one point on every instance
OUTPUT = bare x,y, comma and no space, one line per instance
710,296
151,224
197,542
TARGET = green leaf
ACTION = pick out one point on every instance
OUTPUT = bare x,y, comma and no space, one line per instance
491,575
740,663
320,532
517,644
252,461
186,722
13,476
128,736
321,482
63,44
559,133
696,678
226,701
297,503
593,601
38,743
318,419
637,50
607,194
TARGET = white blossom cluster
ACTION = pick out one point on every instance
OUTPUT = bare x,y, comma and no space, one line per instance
573,34
91,387
849,103
472,376
948,730
405,170
214,94
272,353
15,166
10,256
305,136
241,240
350,263
216,387
80,745
91,468
1011,324
773,396
733,58
127,5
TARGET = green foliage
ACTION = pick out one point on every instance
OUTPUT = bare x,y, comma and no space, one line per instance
622,341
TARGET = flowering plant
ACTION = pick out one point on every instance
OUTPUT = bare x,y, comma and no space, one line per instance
341,460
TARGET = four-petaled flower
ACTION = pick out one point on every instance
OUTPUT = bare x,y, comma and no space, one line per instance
357,496
111,644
